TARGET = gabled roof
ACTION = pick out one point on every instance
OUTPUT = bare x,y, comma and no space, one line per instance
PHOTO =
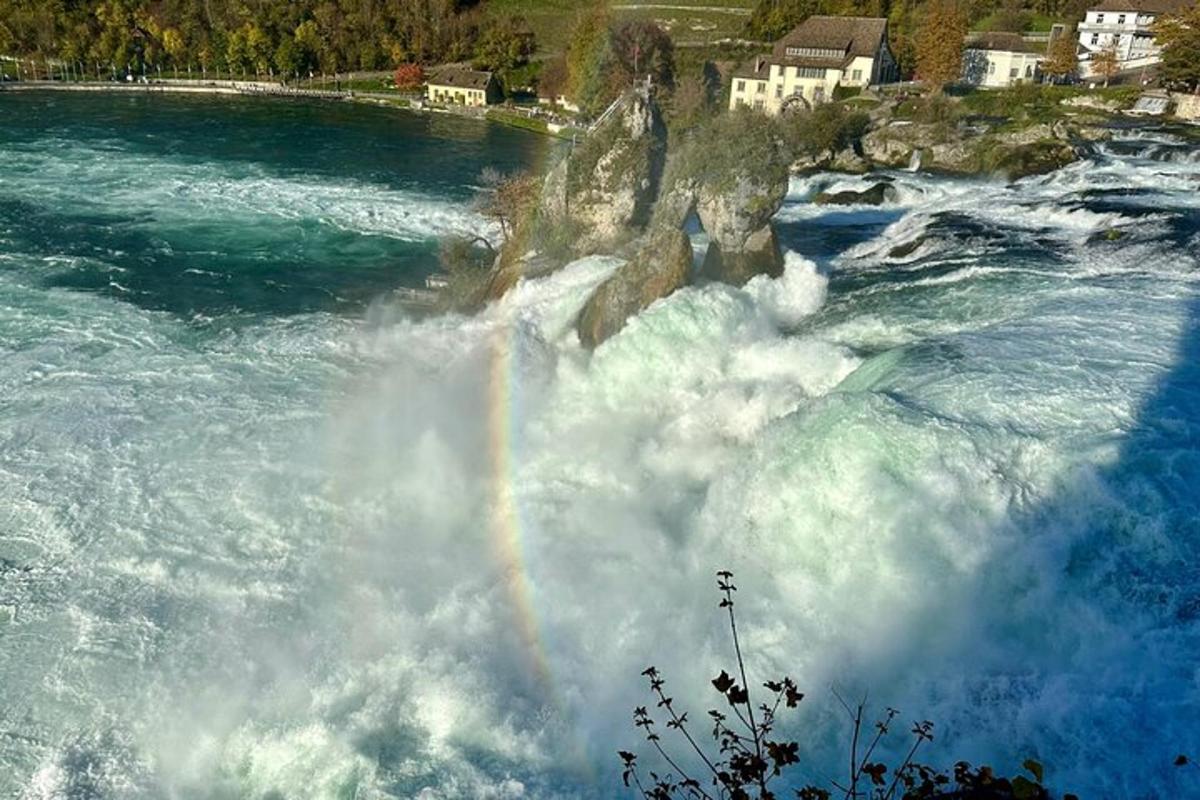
1003,41
461,78
1142,6
756,69
852,36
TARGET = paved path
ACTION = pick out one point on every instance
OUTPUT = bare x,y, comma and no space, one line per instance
741,12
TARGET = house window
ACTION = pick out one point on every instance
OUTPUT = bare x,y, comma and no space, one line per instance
758,104
815,52
1029,70
741,86
762,88
809,72
779,90
1120,19
856,75
1012,73
1095,38
991,68
1099,19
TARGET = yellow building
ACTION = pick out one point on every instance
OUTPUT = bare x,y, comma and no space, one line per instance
461,86
807,65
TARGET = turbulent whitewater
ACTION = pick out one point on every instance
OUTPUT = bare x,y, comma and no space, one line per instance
263,534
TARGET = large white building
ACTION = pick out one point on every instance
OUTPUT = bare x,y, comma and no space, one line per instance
1127,27
818,56
996,60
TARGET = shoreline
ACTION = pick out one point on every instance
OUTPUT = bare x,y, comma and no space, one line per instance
504,116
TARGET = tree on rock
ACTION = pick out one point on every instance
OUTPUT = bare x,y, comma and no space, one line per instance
1179,35
1106,64
506,199
642,49
940,44
1061,62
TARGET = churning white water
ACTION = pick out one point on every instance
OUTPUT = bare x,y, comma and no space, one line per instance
951,456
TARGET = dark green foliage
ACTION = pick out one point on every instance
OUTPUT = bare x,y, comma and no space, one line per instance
827,128
709,151
605,58
466,263
771,19
1180,36
504,43
641,49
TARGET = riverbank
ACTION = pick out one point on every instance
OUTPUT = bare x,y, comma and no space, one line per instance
496,115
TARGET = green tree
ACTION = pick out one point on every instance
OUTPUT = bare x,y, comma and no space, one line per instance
1179,34
939,43
505,43
771,19
1105,63
1061,62
287,57
638,49
587,53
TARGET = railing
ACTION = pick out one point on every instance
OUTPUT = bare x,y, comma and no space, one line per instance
608,112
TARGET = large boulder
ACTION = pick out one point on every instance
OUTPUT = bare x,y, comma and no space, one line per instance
876,195
887,146
736,212
760,254
735,207
662,265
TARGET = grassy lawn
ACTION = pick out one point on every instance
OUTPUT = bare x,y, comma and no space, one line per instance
1038,23
552,20
1036,103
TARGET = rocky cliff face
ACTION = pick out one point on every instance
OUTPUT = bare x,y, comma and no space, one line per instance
1013,154
661,266
607,188
608,197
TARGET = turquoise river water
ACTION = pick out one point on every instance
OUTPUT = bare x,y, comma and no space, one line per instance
263,534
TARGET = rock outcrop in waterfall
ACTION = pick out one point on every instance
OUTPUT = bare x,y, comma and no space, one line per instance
620,192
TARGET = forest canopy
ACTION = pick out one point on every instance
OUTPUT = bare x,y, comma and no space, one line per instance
260,36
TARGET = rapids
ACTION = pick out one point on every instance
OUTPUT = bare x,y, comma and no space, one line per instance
264,535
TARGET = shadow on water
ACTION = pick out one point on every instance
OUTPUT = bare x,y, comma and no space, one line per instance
1093,608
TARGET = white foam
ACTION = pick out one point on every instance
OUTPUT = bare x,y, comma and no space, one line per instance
291,527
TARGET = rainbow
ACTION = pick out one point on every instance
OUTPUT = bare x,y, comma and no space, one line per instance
510,530
508,527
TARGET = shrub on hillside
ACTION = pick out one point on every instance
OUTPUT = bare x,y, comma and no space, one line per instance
825,129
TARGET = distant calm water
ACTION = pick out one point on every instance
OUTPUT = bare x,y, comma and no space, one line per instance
264,536
200,206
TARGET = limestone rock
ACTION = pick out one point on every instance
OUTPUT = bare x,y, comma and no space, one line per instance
759,254
732,211
876,195
888,147
610,182
662,265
